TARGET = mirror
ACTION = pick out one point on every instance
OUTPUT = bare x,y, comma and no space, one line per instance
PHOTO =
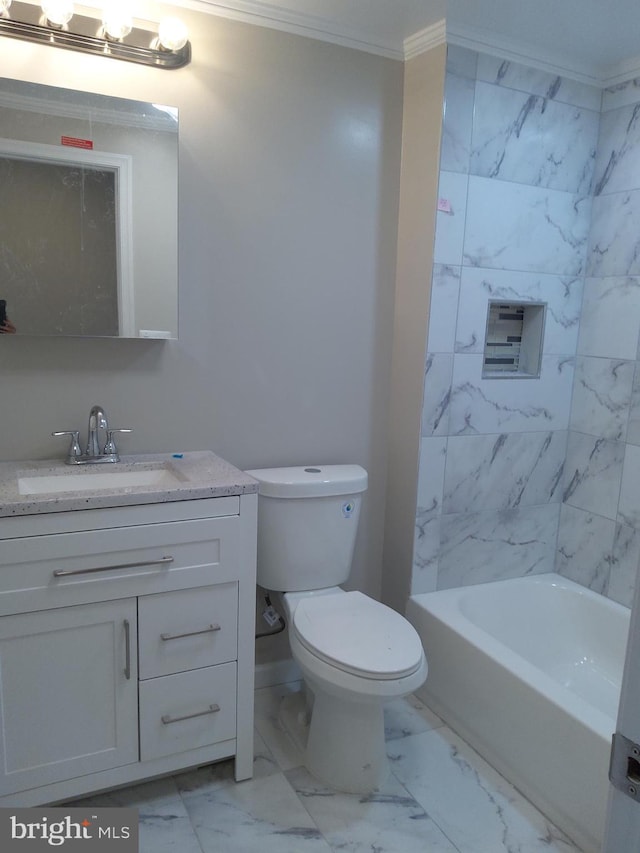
88,213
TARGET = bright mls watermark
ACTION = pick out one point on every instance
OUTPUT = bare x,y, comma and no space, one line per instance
70,830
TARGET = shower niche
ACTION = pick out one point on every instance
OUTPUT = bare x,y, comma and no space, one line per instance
513,340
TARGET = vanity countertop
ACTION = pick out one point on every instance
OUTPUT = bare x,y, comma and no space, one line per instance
172,477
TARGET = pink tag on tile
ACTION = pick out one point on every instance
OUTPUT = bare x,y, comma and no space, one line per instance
444,205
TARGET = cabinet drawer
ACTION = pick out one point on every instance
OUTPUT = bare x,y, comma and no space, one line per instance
74,568
187,629
187,710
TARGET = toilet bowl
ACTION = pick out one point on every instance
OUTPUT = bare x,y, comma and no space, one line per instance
354,653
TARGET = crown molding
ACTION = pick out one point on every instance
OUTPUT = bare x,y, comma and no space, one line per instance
278,17
425,40
515,50
621,73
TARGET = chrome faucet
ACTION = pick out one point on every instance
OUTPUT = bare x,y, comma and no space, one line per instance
97,421
93,454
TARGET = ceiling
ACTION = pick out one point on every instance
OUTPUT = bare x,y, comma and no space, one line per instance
588,39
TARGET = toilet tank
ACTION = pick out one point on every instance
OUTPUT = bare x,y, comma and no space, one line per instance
307,523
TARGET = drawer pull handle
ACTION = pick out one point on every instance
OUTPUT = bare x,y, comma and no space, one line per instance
212,709
61,573
127,650
208,630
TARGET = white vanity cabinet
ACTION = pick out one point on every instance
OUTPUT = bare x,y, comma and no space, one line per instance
126,644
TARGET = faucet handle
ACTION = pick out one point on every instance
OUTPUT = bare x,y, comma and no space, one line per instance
75,452
110,448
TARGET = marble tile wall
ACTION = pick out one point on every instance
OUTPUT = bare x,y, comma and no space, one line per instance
519,151
539,201
599,535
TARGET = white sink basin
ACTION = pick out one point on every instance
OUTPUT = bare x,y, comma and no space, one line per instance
96,479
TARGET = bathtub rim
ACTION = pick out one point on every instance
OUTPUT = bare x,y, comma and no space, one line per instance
443,605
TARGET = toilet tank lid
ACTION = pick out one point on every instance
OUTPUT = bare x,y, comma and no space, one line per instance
306,481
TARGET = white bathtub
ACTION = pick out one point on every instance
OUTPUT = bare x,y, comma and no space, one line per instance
528,671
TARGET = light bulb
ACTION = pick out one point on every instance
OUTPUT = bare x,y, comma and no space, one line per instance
58,12
172,34
117,21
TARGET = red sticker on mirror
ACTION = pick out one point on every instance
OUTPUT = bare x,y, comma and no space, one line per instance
75,142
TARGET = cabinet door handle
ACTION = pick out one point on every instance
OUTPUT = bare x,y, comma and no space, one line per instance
208,630
61,573
166,719
127,650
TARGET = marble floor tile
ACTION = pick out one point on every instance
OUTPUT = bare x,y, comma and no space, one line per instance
478,810
440,797
164,824
408,716
402,717
261,815
387,821
267,721
216,775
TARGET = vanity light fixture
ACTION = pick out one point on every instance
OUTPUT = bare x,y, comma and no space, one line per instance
113,34
57,13
116,21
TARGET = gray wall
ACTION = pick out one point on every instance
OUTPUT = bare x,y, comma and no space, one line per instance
289,180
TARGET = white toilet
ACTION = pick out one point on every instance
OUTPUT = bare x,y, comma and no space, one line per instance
353,652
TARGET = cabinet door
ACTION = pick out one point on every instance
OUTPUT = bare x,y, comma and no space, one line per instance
68,693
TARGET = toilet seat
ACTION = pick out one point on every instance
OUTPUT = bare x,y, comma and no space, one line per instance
358,635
